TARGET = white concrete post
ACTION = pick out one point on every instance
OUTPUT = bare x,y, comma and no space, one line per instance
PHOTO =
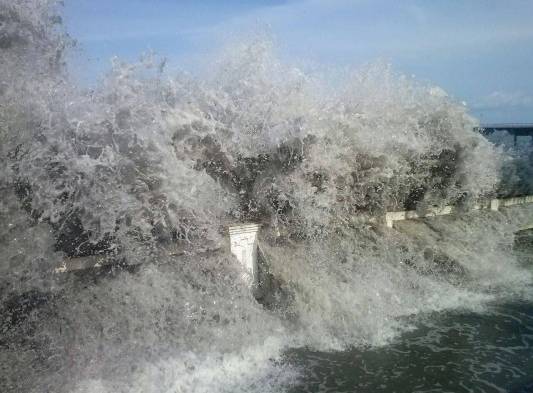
243,242
389,220
494,204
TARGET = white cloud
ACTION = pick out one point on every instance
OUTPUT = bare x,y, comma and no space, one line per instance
502,99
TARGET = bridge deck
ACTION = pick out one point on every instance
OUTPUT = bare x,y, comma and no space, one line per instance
515,129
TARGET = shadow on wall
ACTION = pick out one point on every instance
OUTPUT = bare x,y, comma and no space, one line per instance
270,291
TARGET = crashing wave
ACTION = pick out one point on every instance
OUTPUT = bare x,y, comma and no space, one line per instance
151,168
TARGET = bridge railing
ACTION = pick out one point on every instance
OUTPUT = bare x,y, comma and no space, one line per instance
504,126
244,237
492,204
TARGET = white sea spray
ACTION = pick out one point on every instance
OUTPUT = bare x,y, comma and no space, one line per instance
148,169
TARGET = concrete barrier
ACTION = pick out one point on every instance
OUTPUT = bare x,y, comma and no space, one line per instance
390,217
515,201
244,243
493,204
244,237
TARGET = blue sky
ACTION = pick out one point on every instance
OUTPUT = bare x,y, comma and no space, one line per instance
480,52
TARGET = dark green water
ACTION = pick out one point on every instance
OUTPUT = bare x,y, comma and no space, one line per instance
447,352
453,352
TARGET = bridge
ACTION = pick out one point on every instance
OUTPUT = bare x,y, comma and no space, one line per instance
515,129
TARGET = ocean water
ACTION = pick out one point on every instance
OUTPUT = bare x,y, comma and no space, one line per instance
448,352
453,351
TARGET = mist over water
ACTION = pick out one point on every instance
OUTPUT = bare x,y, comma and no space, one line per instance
147,169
